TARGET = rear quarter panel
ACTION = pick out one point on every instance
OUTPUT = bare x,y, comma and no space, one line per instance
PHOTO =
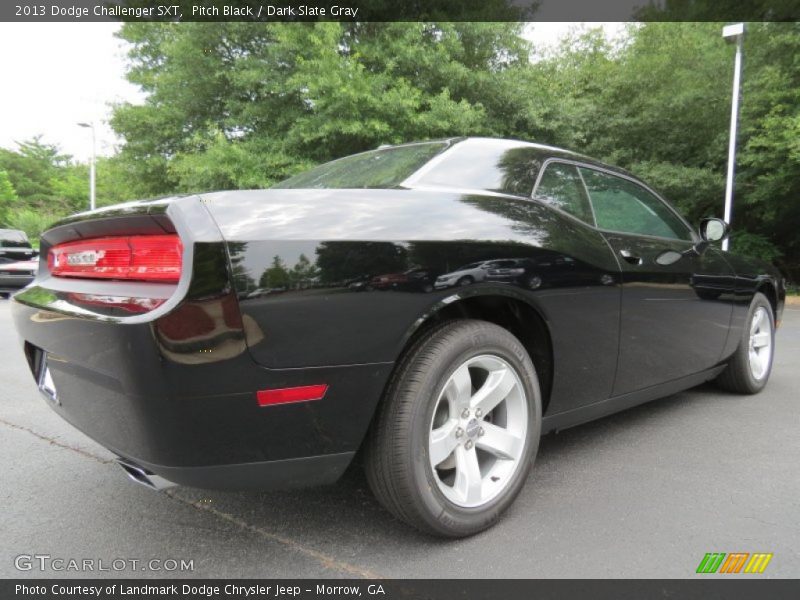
295,253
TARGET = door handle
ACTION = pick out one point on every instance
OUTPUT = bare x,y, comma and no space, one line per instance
630,257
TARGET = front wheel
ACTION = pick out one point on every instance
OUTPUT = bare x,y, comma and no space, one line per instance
457,431
750,366
466,280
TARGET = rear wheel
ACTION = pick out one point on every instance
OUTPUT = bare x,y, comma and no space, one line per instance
457,432
750,366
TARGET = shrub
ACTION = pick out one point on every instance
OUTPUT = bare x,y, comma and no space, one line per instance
32,222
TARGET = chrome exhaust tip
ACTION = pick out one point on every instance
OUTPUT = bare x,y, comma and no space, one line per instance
144,477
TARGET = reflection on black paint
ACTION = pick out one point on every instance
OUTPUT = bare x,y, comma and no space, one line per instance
342,262
505,166
207,326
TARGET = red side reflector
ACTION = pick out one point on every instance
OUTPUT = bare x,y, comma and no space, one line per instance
293,394
136,257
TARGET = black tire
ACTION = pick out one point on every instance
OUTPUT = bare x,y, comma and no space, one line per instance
533,282
737,376
397,458
466,280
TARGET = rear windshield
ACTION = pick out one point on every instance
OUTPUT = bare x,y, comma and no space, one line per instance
502,166
383,168
11,238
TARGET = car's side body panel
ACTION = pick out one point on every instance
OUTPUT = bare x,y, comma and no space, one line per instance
675,317
323,322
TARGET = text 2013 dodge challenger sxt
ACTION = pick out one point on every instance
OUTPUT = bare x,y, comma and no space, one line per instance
438,305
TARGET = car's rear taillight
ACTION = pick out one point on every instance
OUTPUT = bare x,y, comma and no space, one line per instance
136,257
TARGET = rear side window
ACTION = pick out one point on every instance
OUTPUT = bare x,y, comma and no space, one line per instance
622,205
561,186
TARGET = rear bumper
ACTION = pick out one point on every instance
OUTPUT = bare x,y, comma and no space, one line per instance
198,422
267,475
171,385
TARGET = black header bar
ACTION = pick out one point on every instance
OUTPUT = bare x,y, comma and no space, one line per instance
732,588
397,10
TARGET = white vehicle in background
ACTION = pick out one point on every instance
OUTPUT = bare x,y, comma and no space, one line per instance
466,275
15,275
18,261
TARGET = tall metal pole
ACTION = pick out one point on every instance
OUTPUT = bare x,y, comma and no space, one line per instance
91,165
92,172
737,32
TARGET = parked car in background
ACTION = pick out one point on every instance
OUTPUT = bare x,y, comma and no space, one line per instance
418,279
16,274
14,245
511,270
445,391
260,292
549,269
466,275
361,283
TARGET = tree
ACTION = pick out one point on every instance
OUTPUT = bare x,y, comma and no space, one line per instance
303,272
241,105
339,261
31,169
276,276
8,197
658,103
44,179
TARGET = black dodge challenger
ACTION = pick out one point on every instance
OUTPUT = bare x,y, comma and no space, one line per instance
218,341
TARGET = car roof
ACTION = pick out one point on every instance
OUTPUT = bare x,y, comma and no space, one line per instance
543,151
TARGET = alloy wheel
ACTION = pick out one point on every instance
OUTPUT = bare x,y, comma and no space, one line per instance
760,343
478,431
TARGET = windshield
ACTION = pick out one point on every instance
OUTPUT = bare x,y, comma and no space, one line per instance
382,168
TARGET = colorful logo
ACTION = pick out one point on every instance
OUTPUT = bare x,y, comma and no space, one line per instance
735,562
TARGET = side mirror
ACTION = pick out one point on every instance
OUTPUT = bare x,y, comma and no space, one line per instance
713,230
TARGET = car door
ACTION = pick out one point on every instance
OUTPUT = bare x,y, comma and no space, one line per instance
671,324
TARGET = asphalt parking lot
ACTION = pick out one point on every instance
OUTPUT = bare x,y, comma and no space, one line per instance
645,493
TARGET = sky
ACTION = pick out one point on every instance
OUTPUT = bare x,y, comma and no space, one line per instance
57,75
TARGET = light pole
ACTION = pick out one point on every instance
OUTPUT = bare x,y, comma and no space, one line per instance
91,166
733,33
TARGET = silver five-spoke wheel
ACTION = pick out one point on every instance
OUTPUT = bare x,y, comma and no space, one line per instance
456,435
748,368
478,429
760,343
